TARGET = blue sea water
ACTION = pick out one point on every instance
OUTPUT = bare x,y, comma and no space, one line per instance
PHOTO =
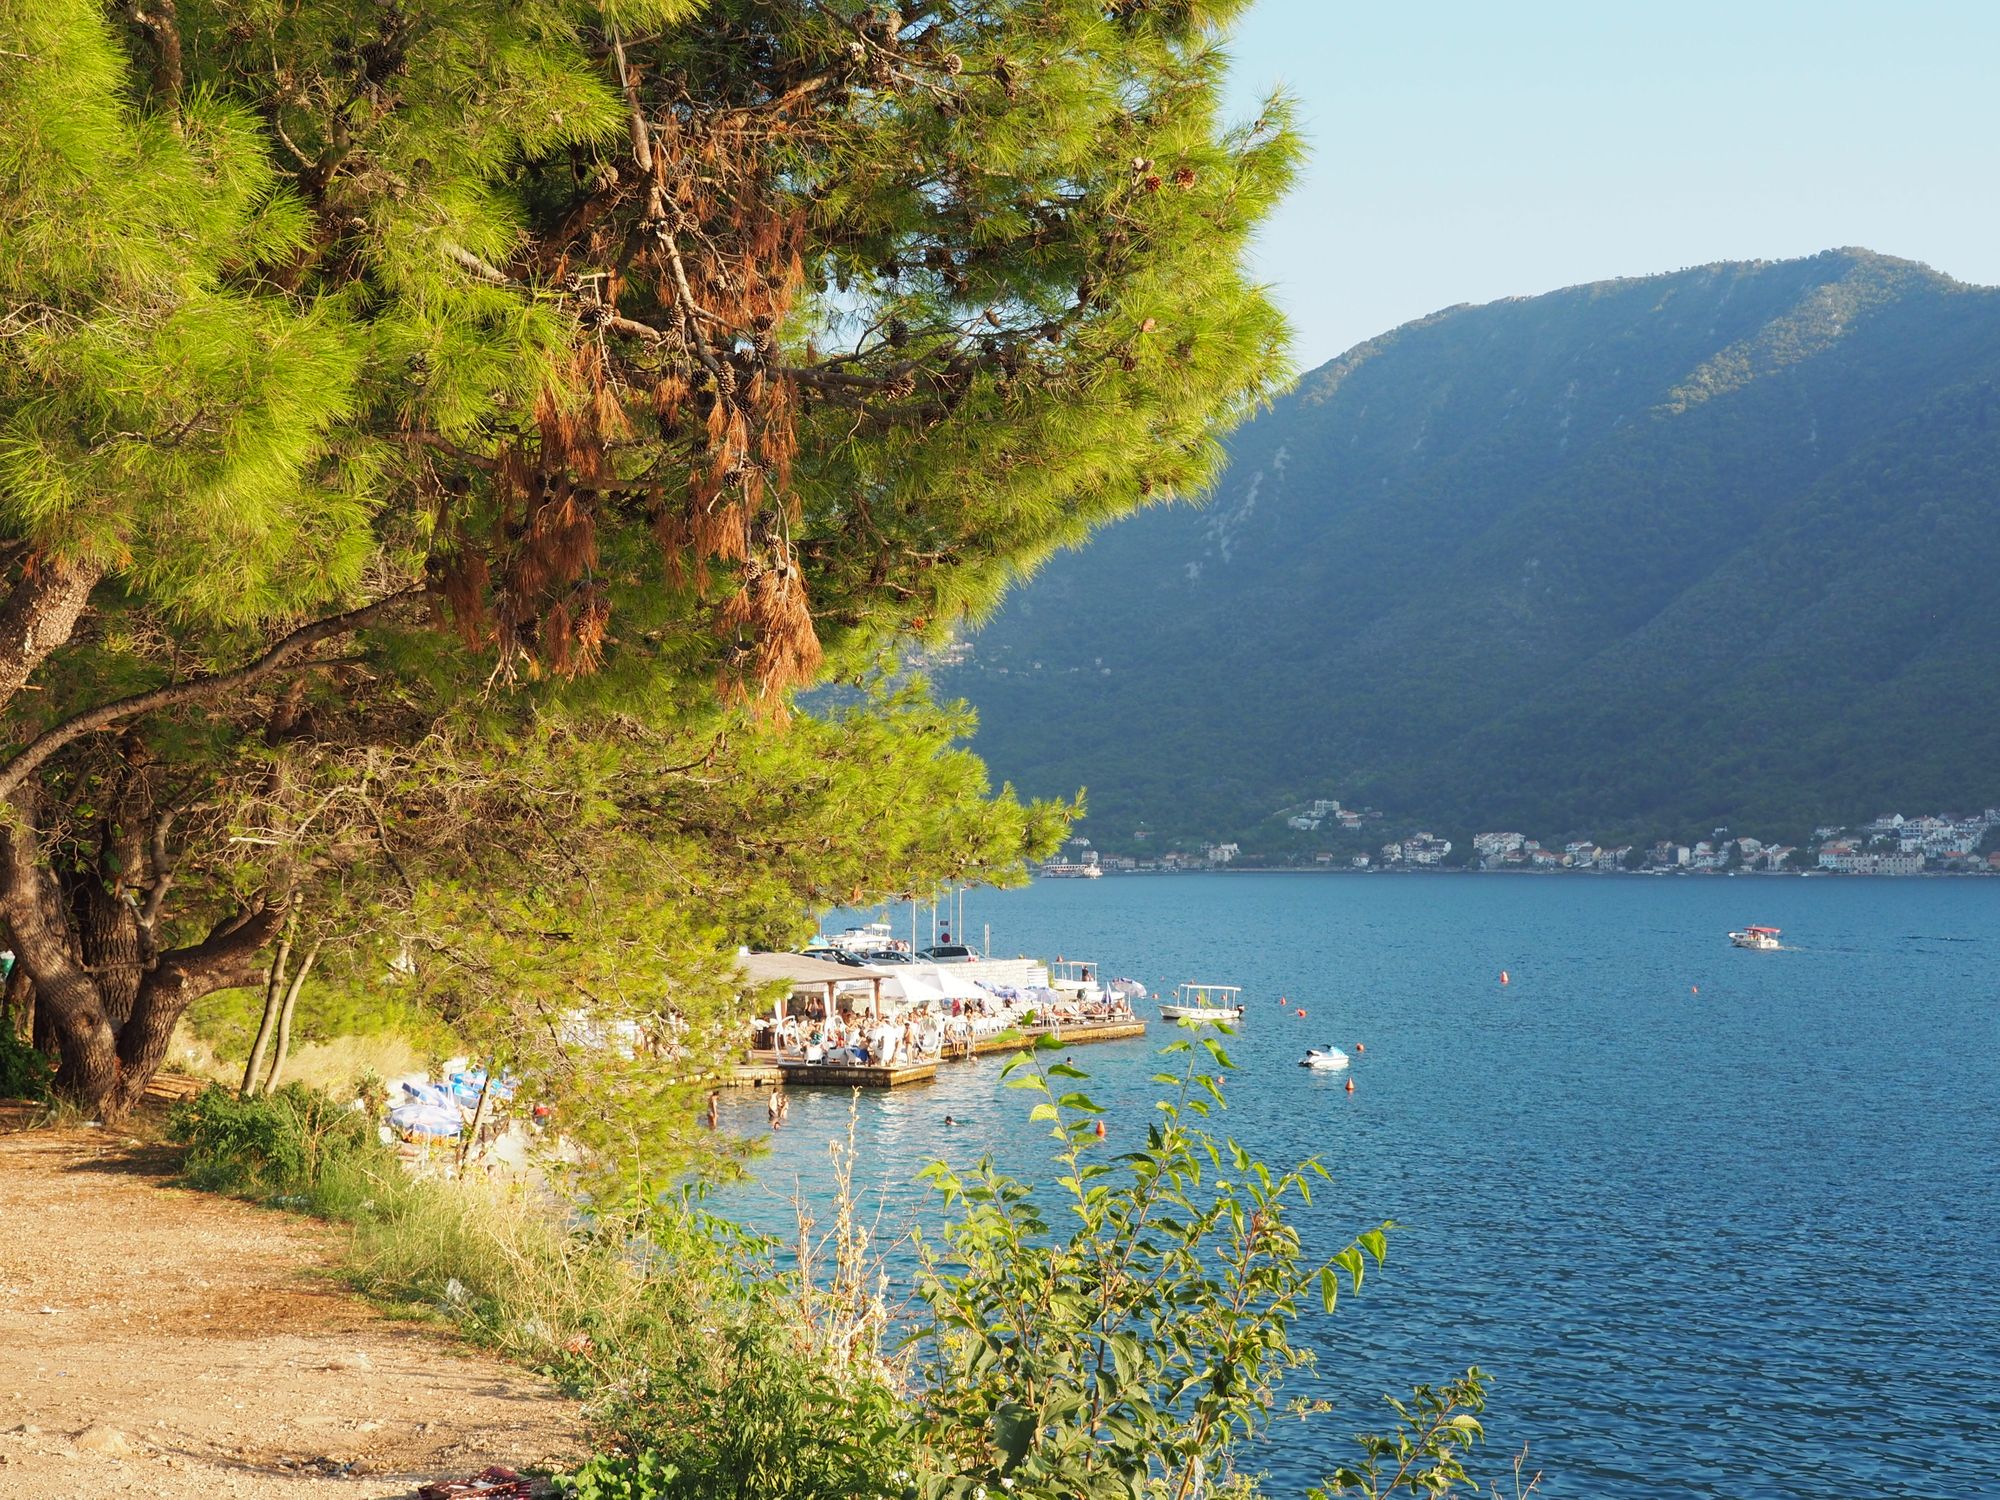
1739,1242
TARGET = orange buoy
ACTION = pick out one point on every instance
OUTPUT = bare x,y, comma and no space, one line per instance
1350,1085
1503,976
1100,1130
1694,989
1359,1048
1302,1015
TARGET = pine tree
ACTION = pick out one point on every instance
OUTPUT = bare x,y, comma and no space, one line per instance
377,374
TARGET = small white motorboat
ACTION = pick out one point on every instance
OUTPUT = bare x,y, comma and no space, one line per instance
1326,1059
1764,939
1204,1002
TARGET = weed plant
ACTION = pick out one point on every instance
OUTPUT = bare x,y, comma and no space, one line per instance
296,1148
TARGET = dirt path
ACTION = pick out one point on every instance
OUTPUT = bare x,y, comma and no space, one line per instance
171,1344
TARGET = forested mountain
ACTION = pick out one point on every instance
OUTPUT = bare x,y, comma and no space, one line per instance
1716,547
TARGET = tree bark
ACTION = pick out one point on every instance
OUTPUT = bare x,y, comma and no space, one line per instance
67,1005
102,1067
284,1047
107,932
162,28
225,959
100,892
39,616
41,1030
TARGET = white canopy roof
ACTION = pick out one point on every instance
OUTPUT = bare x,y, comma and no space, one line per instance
911,986
949,980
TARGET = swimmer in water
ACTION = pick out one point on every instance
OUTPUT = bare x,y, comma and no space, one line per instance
949,1121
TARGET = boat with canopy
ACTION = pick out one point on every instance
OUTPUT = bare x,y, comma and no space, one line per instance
1204,1002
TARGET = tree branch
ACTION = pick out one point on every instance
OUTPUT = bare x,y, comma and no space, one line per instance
163,27
194,690
628,82
39,616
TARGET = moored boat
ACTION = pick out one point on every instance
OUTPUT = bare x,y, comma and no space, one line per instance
1326,1059
1204,1002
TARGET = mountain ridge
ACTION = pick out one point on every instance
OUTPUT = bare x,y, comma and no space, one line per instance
1554,560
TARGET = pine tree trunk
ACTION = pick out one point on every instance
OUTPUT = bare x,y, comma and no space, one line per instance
107,931
41,1024
226,959
86,1047
273,984
285,1018
145,1037
102,1068
69,1012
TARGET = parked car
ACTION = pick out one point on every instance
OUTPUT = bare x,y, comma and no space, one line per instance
949,953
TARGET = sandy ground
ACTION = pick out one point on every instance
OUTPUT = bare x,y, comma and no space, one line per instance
171,1344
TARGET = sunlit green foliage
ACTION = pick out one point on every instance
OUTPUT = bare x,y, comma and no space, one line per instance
1132,1354
616,360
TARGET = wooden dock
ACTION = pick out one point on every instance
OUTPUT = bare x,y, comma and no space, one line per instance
857,1075
762,1070
1075,1033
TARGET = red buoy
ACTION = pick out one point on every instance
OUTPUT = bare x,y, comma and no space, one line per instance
1100,1130
1302,1015
1350,1085
1503,976
1359,1048
1694,989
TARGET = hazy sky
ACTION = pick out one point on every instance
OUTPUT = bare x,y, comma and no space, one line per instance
1464,151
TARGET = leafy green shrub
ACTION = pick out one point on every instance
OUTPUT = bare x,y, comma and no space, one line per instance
24,1072
1135,1353
615,1476
297,1147
1425,1453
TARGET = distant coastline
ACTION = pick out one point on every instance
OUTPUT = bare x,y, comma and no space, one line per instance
1433,871
1890,845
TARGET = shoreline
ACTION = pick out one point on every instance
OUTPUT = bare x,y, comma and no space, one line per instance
1432,871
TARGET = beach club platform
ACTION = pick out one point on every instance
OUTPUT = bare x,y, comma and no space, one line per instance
761,1070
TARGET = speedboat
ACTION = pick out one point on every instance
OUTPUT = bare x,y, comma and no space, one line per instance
1326,1059
1764,938
1204,1002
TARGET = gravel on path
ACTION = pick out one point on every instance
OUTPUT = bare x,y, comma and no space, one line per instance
181,1346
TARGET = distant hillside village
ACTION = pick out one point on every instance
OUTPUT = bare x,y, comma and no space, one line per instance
1890,845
